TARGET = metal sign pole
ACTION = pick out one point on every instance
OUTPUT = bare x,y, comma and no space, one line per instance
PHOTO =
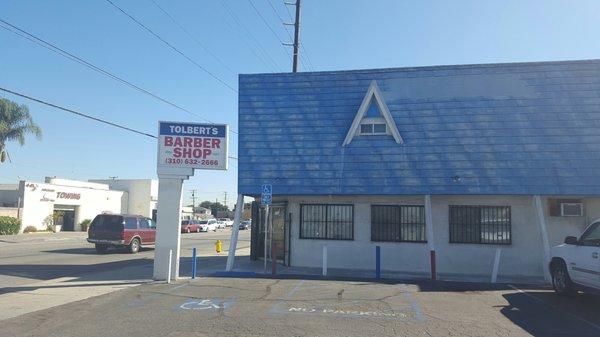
265,199
266,226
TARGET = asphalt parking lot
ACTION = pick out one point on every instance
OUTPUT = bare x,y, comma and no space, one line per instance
39,271
59,286
296,307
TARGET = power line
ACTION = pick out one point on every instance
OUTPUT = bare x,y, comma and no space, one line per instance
191,36
80,114
304,55
62,52
270,28
251,48
248,32
173,47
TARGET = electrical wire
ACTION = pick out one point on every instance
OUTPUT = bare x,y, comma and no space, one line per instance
192,61
191,36
271,29
80,114
304,55
237,20
62,52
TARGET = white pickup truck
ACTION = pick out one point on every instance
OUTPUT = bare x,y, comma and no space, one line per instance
575,265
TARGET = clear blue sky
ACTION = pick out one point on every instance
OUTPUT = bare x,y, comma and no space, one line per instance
336,34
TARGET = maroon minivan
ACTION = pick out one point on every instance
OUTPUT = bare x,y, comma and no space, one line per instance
118,230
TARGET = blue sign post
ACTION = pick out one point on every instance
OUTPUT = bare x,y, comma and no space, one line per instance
266,195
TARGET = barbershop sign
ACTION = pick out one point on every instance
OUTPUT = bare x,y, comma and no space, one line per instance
198,146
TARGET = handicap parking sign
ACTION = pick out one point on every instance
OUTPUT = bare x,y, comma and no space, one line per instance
266,195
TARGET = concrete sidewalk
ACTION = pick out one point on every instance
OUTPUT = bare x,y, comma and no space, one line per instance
42,295
245,267
43,237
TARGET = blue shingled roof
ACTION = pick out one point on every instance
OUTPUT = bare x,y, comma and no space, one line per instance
517,128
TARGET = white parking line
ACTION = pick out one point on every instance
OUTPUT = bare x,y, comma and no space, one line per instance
592,324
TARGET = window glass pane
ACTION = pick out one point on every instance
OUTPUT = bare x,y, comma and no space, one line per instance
385,223
327,222
366,128
147,224
379,128
413,224
480,224
313,221
592,236
398,223
339,222
130,223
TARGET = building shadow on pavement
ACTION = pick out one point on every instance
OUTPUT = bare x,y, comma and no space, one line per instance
547,314
126,270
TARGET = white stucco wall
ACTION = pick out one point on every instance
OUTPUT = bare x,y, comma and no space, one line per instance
39,200
560,227
142,194
520,260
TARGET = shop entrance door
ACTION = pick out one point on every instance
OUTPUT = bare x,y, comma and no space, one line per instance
277,220
65,217
278,232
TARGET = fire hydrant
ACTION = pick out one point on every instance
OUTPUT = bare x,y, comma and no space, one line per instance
218,246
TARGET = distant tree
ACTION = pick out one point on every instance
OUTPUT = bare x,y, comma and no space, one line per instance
15,124
214,207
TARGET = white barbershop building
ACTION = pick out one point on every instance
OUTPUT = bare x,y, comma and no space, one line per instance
456,171
71,201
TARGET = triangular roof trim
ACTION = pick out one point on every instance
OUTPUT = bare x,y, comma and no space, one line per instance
373,93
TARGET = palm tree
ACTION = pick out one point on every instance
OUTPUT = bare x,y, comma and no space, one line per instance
15,123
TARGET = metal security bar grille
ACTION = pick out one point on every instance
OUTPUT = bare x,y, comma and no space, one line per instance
398,223
480,224
334,222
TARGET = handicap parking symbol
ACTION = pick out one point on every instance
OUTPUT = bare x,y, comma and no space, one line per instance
206,305
266,195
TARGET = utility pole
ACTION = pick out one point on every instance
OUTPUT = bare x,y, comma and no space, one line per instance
225,198
296,43
193,200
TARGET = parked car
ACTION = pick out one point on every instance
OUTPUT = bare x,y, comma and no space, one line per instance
188,226
247,224
117,230
212,224
228,223
575,264
208,225
221,224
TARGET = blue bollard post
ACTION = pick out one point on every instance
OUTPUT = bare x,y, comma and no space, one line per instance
377,262
194,263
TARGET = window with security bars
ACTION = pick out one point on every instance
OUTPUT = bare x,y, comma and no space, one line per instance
324,221
480,224
398,223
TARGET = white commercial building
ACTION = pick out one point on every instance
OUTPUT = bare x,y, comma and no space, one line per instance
451,171
69,202
143,194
